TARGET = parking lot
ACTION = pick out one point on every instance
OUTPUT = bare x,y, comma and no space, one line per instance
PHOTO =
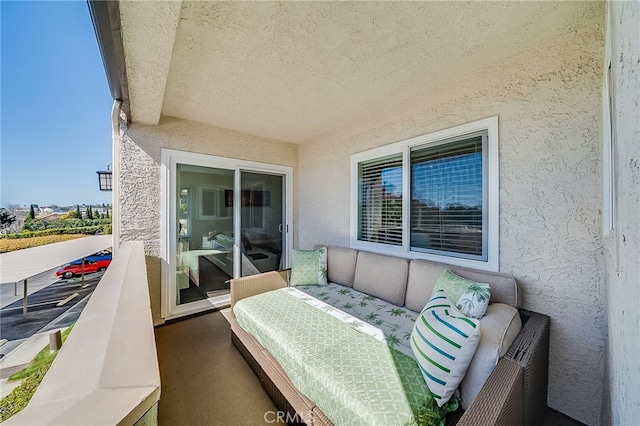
57,303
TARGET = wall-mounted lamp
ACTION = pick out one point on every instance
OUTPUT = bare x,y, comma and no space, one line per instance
104,179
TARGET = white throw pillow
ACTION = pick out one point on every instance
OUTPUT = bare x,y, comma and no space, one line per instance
444,341
498,329
470,297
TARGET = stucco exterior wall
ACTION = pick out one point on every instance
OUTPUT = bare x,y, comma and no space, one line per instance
140,186
548,103
622,254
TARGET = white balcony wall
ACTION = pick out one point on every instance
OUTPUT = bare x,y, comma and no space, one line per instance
548,103
106,373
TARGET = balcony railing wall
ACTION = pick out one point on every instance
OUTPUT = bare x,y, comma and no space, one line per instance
107,370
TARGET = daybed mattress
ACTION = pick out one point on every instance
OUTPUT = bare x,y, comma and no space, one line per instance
395,322
353,376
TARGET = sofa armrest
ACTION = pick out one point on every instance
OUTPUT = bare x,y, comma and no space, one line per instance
255,284
531,351
516,391
499,402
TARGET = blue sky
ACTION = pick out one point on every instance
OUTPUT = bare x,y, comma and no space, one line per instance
56,105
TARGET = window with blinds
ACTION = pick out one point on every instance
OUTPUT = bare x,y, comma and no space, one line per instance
380,200
434,196
447,198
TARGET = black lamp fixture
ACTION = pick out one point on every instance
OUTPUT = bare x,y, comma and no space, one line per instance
104,179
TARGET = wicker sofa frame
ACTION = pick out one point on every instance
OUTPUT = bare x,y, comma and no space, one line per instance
514,394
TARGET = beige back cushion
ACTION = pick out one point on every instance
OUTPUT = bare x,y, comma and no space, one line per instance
504,288
422,278
423,275
382,276
341,265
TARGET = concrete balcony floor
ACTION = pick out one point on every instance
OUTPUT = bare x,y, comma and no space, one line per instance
205,380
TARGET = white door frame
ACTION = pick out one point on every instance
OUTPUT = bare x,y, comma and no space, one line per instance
170,158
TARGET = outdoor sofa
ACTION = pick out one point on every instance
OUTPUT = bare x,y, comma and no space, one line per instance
515,391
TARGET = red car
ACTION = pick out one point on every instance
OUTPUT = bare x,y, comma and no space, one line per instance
90,266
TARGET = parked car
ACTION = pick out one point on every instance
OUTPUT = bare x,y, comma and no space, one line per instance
101,255
96,257
90,266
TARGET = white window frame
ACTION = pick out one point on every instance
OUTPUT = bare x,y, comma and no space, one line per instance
490,125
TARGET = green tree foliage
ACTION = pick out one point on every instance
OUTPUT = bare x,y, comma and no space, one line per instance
69,223
69,215
32,213
6,218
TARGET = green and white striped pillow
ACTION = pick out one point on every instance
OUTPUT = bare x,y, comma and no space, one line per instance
444,341
309,267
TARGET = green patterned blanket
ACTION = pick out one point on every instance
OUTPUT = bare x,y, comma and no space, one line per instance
395,323
355,379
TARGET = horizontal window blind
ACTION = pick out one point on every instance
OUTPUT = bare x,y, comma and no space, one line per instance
447,197
380,200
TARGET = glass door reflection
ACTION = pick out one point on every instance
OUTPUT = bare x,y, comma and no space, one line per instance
204,228
261,221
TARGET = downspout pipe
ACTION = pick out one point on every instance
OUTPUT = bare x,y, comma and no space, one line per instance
116,140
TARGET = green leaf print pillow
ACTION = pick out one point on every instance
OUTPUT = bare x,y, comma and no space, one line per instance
470,297
309,267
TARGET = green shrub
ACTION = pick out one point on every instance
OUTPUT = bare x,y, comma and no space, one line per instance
70,222
21,395
8,245
88,230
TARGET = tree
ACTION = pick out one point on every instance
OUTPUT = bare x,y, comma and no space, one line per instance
106,214
69,215
78,213
89,213
32,213
6,219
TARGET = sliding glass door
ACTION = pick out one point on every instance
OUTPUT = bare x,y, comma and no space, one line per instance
204,232
224,219
261,222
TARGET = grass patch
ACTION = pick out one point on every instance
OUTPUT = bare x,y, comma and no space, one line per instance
31,377
7,245
21,395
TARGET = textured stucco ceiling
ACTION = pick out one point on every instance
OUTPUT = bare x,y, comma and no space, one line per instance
295,70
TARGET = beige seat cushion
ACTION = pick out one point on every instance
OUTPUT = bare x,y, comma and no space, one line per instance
498,328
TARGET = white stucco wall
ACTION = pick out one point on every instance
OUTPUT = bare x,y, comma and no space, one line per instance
140,177
548,103
622,254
